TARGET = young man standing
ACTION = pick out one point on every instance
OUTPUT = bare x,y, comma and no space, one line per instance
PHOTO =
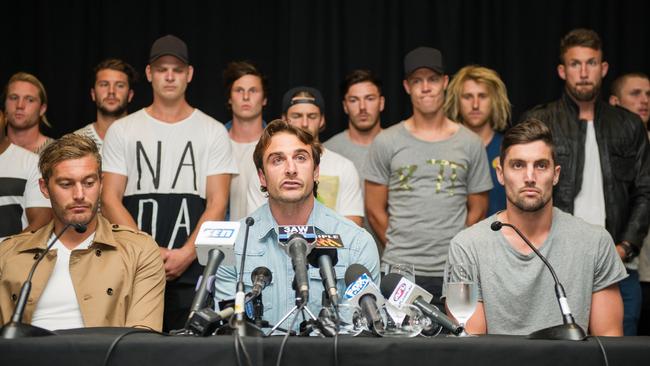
112,92
167,170
478,99
604,155
426,177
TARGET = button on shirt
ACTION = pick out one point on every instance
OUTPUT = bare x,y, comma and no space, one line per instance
263,250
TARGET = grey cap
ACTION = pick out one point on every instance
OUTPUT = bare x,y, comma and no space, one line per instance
288,99
169,46
428,57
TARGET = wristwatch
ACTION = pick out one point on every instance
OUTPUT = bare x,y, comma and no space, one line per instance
630,251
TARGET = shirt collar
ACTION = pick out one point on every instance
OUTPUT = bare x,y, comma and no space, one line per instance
268,224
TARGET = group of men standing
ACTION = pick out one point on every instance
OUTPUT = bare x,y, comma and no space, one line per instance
415,186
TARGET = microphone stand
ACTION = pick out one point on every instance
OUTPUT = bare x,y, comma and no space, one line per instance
241,325
16,328
569,330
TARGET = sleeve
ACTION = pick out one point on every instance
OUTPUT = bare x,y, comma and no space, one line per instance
146,308
639,219
114,150
377,165
220,154
350,199
459,252
33,195
609,267
478,177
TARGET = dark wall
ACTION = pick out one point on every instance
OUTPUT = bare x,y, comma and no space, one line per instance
309,42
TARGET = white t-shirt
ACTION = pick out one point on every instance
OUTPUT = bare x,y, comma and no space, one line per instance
18,189
90,132
589,204
243,153
58,307
167,166
339,186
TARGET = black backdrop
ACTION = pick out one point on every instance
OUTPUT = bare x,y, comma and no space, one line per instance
309,42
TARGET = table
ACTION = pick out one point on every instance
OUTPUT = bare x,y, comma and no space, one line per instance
86,347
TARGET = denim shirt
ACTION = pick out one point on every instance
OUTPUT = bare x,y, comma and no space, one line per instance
263,250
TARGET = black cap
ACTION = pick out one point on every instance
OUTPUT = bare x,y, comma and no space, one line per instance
288,99
428,57
169,45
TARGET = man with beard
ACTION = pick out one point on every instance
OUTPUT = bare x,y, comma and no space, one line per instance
604,154
103,276
515,289
25,107
112,92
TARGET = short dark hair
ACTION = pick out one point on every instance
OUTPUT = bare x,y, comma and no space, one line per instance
617,84
580,37
278,126
359,76
236,69
117,65
530,130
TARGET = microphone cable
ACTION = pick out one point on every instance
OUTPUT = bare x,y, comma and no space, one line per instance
120,337
286,336
602,348
239,344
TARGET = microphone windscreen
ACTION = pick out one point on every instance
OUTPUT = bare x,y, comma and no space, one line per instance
250,221
388,283
262,271
80,228
496,226
355,271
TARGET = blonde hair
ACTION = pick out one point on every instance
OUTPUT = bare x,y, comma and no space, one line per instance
29,78
501,107
68,147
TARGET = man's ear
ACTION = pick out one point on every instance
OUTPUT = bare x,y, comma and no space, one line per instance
42,184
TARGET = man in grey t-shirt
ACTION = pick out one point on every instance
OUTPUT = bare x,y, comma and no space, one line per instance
426,178
516,290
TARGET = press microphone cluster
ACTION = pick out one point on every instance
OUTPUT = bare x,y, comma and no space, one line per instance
569,330
362,292
398,290
15,328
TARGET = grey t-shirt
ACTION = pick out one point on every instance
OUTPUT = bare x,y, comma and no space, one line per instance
518,291
428,184
342,144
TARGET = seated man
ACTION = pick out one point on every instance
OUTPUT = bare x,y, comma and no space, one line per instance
516,291
287,158
107,276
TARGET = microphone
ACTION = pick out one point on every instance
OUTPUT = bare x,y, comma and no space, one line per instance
569,330
399,290
362,292
15,328
261,277
205,321
325,256
240,295
293,240
215,257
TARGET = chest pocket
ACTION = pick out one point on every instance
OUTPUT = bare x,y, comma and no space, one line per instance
623,161
255,258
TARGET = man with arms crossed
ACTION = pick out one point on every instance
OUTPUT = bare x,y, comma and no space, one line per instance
478,99
167,170
604,155
287,160
112,92
107,276
516,290
426,177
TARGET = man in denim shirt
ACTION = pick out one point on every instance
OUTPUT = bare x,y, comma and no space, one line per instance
287,159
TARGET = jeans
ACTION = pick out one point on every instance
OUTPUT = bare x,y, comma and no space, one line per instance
631,294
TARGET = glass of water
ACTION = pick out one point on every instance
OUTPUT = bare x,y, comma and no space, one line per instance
461,291
406,270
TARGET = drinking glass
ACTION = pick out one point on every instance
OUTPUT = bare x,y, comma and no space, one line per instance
461,292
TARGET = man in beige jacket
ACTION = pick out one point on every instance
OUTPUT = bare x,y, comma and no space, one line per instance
108,275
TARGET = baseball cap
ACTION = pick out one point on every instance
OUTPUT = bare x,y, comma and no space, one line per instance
169,45
288,99
428,57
